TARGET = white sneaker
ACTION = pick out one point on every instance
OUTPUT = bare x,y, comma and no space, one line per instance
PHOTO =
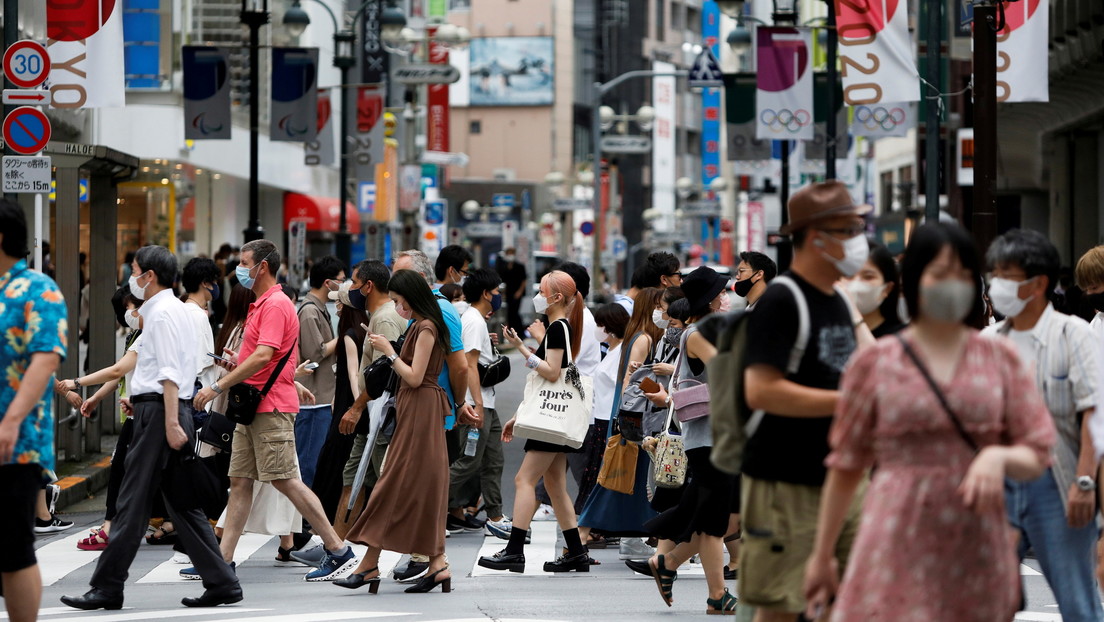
634,548
545,513
181,558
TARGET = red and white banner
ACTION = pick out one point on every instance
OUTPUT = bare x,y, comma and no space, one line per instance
756,227
784,84
883,119
437,124
320,151
876,55
1022,59
86,53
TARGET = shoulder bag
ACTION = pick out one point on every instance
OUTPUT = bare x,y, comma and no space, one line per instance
690,398
556,411
669,470
192,483
618,472
969,440
496,372
218,431
243,399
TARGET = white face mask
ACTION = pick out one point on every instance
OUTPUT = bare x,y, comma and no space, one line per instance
540,304
132,319
657,319
136,290
601,335
509,257
1005,295
866,296
856,250
949,300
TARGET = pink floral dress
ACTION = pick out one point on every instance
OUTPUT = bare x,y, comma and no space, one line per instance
921,554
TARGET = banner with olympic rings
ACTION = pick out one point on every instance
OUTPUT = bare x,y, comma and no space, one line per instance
1022,62
884,119
784,84
877,63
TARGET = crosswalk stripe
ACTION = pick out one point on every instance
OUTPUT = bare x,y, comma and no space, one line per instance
60,557
319,617
541,549
169,572
1028,571
1030,616
148,615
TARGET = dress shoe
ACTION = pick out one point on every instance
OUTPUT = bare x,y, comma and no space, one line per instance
94,598
567,563
429,582
502,560
359,579
214,598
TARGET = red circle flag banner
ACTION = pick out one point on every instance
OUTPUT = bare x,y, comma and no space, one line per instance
876,55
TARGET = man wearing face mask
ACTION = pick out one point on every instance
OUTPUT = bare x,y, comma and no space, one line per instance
452,265
1054,513
753,274
514,279
317,343
783,470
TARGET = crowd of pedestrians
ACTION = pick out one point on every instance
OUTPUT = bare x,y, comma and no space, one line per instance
911,427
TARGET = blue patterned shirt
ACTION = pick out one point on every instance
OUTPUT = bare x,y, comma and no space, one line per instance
34,319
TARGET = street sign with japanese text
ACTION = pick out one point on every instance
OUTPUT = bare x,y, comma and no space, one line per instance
26,174
626,144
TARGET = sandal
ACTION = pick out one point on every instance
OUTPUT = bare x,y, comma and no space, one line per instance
723,606
664,578
96,541
168,536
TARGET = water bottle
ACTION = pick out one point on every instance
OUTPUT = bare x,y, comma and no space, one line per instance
473,441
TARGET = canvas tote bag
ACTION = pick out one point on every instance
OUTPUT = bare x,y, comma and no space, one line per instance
557,411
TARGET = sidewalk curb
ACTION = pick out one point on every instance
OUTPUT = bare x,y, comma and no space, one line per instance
79,486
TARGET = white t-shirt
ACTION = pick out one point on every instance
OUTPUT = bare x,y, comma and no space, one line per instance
476,337
130,374
605,383
206,370
590,351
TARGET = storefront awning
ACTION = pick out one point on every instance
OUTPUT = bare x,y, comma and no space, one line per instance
320,213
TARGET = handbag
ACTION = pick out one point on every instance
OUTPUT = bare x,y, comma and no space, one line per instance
380,376
618,471
192,483
669,470
218,431
690,398
243,399
496,372
556,411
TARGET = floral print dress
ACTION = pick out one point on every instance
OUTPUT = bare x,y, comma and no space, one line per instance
921,554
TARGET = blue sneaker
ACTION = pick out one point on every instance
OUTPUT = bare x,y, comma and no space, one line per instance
191,574
333,566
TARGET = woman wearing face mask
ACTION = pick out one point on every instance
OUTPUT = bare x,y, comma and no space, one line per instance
560,300
126,313
875,292
337,447
707,511
406,511
666,348
891,414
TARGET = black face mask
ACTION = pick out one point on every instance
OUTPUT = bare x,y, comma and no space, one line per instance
1096,300
743,288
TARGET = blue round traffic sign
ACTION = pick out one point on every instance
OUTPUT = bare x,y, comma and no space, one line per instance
587,228
26,130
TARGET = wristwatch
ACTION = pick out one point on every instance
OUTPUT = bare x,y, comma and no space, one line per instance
76,381
217,389
1086,483
392,358
459,405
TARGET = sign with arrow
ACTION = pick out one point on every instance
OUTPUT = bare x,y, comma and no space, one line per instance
706,71
27,97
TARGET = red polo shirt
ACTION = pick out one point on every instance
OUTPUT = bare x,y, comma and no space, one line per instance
272,322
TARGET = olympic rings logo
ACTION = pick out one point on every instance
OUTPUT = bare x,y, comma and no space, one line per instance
785,120
875,118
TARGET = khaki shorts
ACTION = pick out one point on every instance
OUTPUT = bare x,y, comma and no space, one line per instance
265,450
779,526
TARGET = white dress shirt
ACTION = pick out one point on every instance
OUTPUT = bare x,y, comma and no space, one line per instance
206,370
165,354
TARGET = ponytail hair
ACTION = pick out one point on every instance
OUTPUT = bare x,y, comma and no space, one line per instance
559,282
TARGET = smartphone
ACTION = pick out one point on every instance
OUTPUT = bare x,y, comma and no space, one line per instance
219,358
311,366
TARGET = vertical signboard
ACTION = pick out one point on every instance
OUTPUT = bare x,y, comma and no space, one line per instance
366,147
663,146
756,227
206,92
711,100
297,252
437,122
294,111
320,151
374,61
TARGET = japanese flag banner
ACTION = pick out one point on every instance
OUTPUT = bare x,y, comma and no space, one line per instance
86,53
876,58
1022,58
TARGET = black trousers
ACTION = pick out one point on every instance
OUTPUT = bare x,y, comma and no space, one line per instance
147,456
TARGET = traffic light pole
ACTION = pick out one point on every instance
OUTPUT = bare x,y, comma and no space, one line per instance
11,35
984,222
254,20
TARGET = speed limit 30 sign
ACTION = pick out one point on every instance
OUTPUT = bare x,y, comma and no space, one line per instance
26,64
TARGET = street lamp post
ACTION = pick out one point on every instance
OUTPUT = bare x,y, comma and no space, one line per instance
254,14
599,90
296,21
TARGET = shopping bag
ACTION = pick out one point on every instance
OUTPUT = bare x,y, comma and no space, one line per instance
618,471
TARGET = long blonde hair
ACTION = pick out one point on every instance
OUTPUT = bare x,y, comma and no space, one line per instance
559,282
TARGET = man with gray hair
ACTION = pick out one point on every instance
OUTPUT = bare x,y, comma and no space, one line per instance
163,383
1054,513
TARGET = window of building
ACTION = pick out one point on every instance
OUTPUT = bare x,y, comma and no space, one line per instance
660,19
475,127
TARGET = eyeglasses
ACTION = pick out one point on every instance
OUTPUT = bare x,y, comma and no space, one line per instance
848,232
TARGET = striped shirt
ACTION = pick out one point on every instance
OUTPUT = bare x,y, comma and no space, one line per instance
1066,374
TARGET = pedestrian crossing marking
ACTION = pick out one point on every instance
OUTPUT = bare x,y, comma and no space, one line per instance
1030,616
541,549
169,572
1028,571
322,616
61,557
145,614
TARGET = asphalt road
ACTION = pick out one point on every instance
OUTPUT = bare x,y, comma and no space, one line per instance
277,593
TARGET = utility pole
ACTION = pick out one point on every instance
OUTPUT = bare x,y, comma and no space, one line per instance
832,50
984,222
11,35
934,40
